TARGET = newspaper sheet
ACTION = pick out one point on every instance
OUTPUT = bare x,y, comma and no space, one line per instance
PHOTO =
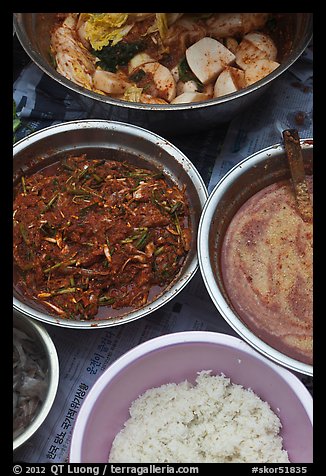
83,356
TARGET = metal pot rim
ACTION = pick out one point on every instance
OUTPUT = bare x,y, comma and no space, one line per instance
161,143
206,268
43,65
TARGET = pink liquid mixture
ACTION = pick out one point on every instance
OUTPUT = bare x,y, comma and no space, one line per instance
267,268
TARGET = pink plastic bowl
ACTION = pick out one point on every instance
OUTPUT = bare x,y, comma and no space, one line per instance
174,358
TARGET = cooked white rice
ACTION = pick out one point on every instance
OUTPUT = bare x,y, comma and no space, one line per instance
213,421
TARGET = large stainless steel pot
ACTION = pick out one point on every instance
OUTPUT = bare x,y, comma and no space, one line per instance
238,185
33,32
123,142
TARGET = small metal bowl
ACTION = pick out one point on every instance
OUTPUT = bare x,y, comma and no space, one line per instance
33,32
238,185
118,141
43,340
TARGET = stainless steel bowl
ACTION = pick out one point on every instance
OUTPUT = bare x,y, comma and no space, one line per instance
178,357
123,142
42,339
33,32
238,185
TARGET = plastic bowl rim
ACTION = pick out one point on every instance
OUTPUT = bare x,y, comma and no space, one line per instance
161,342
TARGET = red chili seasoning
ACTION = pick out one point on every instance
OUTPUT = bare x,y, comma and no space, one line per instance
93,233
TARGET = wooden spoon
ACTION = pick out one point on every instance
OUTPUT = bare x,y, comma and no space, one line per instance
295,159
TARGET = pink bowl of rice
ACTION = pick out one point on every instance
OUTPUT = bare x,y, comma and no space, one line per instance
194,396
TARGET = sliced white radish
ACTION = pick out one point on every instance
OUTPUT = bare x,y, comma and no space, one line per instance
255,46
264,43
190,97
163,80
231,44
229,81
110,83
259,69
207,58
175,73
186,87
138,60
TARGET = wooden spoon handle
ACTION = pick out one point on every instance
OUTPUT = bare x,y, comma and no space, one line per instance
295,159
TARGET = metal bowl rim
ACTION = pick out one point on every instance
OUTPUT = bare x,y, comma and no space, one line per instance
205,265
53,361
40,62
191,171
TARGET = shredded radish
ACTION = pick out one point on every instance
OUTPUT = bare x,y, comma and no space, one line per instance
29,380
